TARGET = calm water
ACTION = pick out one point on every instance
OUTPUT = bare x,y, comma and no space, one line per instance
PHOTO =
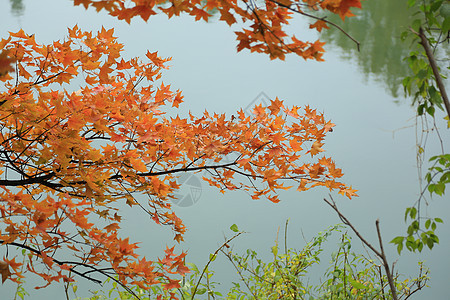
374,141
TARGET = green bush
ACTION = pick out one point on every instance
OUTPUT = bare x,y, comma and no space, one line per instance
286,276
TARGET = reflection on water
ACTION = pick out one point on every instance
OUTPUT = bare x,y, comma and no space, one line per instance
377,27
17,7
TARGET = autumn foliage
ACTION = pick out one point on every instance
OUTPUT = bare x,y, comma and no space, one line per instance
263,22
84,132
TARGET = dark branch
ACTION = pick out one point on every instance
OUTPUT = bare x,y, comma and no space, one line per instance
39,253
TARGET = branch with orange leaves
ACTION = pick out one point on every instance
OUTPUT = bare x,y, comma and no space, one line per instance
267,19
72,158
318,25
102,271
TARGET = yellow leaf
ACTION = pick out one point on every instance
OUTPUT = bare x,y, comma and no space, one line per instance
138,165
316,148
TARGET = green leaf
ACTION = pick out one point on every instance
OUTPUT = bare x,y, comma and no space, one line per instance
445,178
420,109
413,212
407,213
446,25
356,284
435,97
439,220
436,5
439,188
420,246
234,228
277,276
411,3
275,250
431,188
398,240
428,177
430,110
434,238
193,267
212,257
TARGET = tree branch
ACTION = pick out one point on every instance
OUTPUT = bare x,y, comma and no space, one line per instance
347,222
32,180
321,19
434,67
72,269
211,258
381,254
385,263
39,253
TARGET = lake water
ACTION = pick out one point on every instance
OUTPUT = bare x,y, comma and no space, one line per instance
374,140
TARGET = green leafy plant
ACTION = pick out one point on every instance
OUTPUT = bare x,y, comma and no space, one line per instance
429,34
283,278
441,167
353,276
286,275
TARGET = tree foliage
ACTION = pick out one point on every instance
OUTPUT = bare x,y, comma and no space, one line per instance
71,157
263,22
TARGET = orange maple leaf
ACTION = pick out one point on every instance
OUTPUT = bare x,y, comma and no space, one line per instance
349,192
275,106
172,284
345,5
315,148
182,269
319,25
5,63
4,270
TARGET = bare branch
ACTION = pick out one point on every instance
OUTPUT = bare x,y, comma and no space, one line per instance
381,254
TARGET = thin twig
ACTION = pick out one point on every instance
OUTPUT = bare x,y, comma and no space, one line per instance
381,254
347,222
211,258
385,263
230,258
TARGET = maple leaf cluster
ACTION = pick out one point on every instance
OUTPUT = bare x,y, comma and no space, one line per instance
263,22
70,158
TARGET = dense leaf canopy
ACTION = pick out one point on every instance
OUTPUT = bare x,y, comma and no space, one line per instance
71,157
